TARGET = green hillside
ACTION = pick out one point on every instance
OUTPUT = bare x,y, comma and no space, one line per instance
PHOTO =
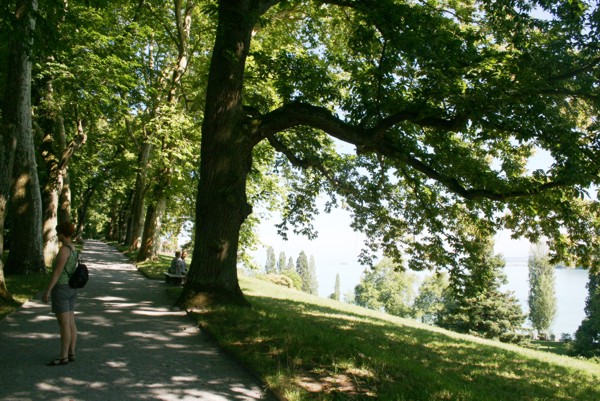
310,348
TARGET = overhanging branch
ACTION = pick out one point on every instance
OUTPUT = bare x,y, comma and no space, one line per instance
316,164
375,140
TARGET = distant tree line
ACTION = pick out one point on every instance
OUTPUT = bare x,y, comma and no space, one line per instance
302,275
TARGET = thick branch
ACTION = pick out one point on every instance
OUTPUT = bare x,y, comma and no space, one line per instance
316,164
572,74
375,140
73,146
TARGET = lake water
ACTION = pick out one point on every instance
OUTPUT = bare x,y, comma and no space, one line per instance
570,289
571,293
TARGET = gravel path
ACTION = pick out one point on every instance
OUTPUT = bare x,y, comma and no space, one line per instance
132,345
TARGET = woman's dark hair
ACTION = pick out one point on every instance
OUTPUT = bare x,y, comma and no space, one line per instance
67,229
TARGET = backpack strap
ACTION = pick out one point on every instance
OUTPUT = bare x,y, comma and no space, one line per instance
72,251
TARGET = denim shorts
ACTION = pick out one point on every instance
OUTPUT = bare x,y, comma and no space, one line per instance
63,298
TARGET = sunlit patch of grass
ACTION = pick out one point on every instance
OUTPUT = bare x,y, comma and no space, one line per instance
155,269
311,348
22,287
555,347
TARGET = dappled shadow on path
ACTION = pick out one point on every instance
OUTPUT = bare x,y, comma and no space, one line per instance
132,345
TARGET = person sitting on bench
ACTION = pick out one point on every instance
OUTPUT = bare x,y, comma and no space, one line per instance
177,265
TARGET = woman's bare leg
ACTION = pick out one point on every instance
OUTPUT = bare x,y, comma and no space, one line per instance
73,329
64,323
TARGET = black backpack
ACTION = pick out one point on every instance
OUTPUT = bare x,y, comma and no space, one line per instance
80,276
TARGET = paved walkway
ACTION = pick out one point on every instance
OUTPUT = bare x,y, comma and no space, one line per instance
132,345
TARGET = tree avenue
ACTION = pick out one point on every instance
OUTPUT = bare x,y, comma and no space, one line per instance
420,117
444,105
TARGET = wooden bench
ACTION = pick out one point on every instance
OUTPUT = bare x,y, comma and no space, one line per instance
171,278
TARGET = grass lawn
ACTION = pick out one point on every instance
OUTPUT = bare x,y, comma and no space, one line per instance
22,288
555,347
311,348
155,269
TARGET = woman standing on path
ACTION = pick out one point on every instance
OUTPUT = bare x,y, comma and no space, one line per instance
63,296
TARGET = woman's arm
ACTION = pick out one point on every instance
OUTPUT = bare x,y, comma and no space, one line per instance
61,260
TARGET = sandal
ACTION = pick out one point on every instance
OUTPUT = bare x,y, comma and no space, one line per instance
71,357
58,361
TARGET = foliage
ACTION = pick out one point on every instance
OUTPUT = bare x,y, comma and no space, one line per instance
312,285
294,277
281,262
311,348
445,106
336,289
542,296
110,66
587,336
270,264
419,117
302,267
475,304
387,288
307,273
278,279
430,299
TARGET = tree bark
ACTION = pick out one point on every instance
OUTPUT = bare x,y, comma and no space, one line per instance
125,218
152,224
26,254
84,205
226,158
50,196
64,198
56,193
134,228
112,229
53,144
15,98
154,214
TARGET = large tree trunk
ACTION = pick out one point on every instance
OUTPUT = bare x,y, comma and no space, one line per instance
64,199
50,196
16,98
53,144
26,205
56,193
154,214
125,218
152,224
112,229
82,210
134,228
26,249
226,157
